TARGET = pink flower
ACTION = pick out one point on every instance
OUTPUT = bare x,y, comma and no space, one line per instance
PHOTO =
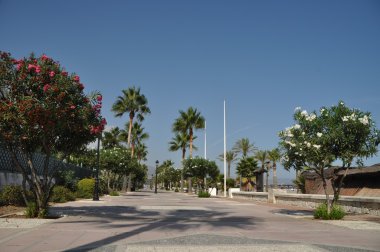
38,69
46,87
51,74
99,98
44,57
19,66
31,66
81,87
72,107
64,73
76,78
103,122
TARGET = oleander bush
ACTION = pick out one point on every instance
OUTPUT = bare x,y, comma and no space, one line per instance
114,193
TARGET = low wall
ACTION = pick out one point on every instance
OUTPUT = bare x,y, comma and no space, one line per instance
351,204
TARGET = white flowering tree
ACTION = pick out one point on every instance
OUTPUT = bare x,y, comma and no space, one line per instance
335,134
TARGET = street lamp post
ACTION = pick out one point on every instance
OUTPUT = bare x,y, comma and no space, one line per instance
96,187
155,188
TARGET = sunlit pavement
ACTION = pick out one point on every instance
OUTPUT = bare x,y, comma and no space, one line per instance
167,221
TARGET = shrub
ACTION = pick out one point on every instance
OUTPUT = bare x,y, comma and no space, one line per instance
61,194
31,210
176,190
12,195
336,212
86,188
202,194
114,193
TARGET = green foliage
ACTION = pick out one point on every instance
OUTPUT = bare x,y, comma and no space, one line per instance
230,182
203,194
12,195
199,168
61,194
86,188
31,210
336,213
66,178
114,193
299,182
176,190
247,167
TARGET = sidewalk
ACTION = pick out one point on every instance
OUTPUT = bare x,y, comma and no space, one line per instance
142,221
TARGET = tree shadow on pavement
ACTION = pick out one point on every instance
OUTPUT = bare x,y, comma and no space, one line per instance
142,221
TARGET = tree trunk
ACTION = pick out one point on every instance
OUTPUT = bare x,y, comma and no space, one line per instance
191,142
326,193
129,182
125,182
183,158
275,182
267,182
229,169
336,183
130,128
189,189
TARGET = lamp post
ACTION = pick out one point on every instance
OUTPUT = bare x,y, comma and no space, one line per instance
96,187
155,188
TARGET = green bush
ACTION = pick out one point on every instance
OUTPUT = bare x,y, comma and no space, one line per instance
202,194
336,212
12,195
61,194
31,210
176,190
114,193
86,188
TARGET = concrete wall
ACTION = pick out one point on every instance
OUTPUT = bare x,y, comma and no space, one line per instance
352,204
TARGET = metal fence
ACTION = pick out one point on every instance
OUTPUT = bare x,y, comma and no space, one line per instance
8,165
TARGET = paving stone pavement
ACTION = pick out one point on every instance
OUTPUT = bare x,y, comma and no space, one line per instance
144,221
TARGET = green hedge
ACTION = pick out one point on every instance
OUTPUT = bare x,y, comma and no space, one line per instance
86,188
61,194
336,213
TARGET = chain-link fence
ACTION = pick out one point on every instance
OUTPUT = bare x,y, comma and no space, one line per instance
7,164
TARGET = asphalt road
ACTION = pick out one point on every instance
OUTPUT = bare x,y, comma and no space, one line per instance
167,221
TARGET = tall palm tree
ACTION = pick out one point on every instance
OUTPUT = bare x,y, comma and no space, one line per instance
230,158
274,156
141,152
111,138
188,121
262,156
181,141
136,137
244,147
131,102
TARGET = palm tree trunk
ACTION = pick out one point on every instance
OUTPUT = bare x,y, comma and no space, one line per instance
229,169
275,182
183,158
130,129
191,142
267,182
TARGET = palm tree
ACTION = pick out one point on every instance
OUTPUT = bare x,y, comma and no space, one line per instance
262,156
274,156
230,158
244,147
181,141
136,136
111,138
188,122
141,152
131,102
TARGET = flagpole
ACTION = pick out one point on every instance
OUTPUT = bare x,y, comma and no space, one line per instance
225,151
205,140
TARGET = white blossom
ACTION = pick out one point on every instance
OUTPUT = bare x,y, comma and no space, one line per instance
319,134
364,120
316,146
304,113
311,117
297,126
303,133
308,145
297,109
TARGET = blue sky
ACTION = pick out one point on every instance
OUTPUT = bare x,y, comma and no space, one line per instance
264,57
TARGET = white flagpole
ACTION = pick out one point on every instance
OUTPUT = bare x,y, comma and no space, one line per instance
225,151
205,141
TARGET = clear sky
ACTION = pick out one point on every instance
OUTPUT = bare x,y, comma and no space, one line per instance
264,57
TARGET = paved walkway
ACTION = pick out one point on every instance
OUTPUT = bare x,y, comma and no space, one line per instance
144,221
